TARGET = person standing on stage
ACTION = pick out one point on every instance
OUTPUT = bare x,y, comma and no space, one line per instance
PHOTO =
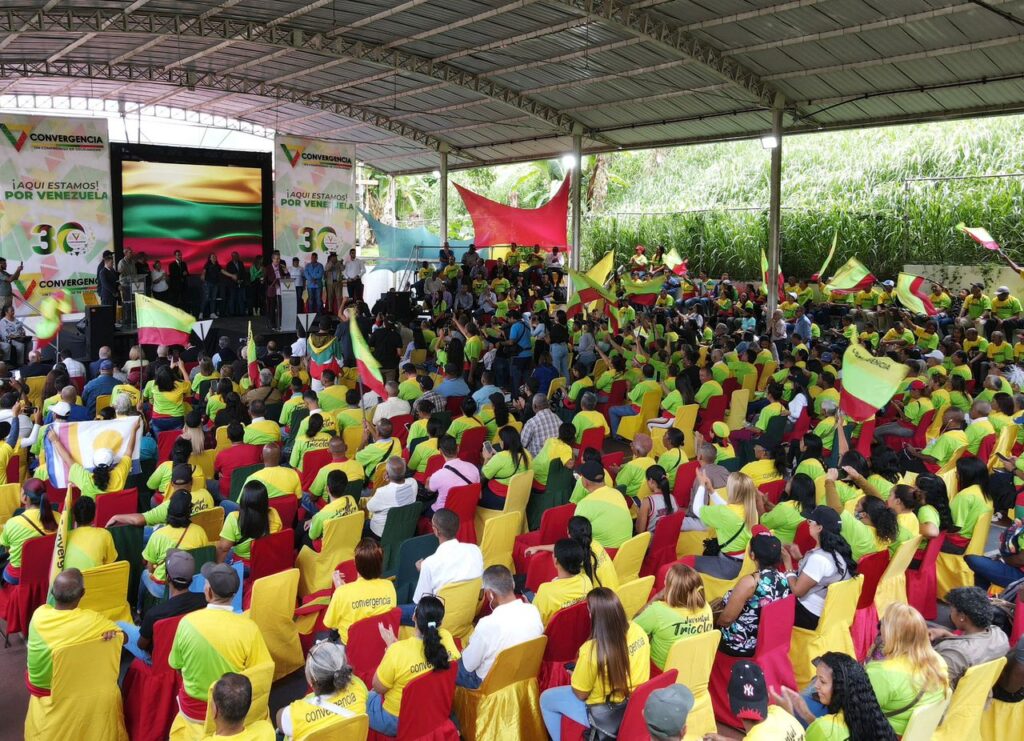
353,274
314,275
106,278
178,281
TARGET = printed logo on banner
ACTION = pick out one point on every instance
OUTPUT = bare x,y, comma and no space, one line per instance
16,135
323,240
292,155
71,238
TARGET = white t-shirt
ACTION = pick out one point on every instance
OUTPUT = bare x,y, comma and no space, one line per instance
796,405
452,562
820,566
509,625
387,497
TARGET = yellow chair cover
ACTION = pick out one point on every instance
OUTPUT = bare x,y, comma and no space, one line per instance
220,437
102,402
506,707
205,461
1004,445
339,544
693,658
10,500
351,729
736,417
657,447
106,588
1002,721
892,587
951,570
950,468
715,588
925,719
833,632
461,600
633,595
499,536
630,557
963,720
686,420
85,702
691,542
949,478
261,676
271,608
353,437
516,499
766,372
555,385
650,405
212,521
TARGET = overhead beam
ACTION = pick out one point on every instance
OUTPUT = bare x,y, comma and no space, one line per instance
183,79
86,38
26,24
468,20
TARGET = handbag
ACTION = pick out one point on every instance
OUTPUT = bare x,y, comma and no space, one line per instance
712,547
605,720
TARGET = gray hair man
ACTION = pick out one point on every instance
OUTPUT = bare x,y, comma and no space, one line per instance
542,426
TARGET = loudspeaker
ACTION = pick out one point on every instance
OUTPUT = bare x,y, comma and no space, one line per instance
401,306
99,329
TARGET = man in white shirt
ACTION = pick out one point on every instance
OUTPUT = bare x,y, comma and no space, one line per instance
510,623
398,492
392,406
352,273
452,561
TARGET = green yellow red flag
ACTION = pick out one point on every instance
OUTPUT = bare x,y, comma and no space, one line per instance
643,292
602,268
831,254
250,359
60,544
587,290
369,369
980,235
911,293
869,382
160,323
675,263
851,278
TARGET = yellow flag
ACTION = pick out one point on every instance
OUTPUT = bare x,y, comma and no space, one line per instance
602,269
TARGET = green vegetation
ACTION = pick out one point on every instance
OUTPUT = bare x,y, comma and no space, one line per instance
709,202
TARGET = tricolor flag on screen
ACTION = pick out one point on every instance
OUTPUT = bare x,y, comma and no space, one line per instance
868,382
160,323
369,370
851,278
60,544
643,292
81,439
250,359
910,291
980,235
675,263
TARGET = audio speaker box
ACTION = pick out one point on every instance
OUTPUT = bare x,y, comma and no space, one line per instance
99,329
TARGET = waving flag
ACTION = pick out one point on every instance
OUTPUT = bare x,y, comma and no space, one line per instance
764,277
851,278
60,544
602,268
614,320
323,351
643,292
160,323
831,254
587,290
81,439
868,382
910,291
675,263
980,235
250,359
369,370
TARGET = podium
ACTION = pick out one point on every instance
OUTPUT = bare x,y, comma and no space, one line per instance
288,307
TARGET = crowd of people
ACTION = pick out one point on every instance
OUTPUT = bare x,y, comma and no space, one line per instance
493,380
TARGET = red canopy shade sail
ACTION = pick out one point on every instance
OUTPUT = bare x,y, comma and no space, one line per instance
495,224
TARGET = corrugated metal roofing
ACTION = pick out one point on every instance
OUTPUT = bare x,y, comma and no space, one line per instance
503,80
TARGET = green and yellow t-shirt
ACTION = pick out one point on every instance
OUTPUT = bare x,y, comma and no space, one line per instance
633,475
946,445
665,625
19,530
783,520
339,507
89,547
169,403
82,478
164,539
585,420
609,516
352,470
304,444
280,481
52,629
263,432
160,480
231,533
967,507
202,500
896,686
554,449
370,456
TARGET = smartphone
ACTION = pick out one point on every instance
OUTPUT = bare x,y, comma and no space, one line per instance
1004,458
489,448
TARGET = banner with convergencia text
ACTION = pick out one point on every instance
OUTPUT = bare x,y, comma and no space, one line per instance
314,196
55,214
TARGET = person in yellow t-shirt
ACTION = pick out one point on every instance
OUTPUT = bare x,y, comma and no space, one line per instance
88,546
571,585
613,663
335,691
232,697
431,649
368,596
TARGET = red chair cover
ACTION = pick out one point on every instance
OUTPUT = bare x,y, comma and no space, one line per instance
150,690
616,397
774,633
462,500
30,593
592,438
14,470
434,462
713,412
472,444
365,646
865,621
919,440
663,543
773,490
921,582
312,462
802,539
568,630
686,474
454,404
867,437
985,448
287,507
540,569
272,554
554,525
633,724
613,461
426,709
800,428
164,443
400,427
124,502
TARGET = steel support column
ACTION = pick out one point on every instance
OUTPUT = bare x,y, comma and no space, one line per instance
443,185
774,212
574,197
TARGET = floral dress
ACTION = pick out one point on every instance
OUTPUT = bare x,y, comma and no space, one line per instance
740,638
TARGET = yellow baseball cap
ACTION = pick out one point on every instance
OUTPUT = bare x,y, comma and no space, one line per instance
721,429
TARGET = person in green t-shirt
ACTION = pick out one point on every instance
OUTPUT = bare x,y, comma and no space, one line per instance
678,611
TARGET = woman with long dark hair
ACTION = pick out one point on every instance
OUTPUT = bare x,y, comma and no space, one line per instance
499,467
934,516
254,519
740,618
432,649
658,504
495,416
179,532
797,501
595,563
970,504
810,455
613,663
35,521
311,438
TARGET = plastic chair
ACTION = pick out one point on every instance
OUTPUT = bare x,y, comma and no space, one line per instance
963,717
517,497
425,712
633,724
309,467
206,462
116,503
554,525
150,690
650,404
774,634
212,521
713,412
271,608
630,557
25,597
105,590
472,444
338,545
920,437
462,500
84,700
693,658
498,539
925,719
102,402
568,629
986,446
1004,445
951,570
773,490
484,713
686,474
865,439
365,646
832,633
353,437
662,549
800,428
633,595
400,526
865,620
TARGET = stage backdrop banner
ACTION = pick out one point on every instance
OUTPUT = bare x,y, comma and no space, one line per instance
495,224
314,196
55,214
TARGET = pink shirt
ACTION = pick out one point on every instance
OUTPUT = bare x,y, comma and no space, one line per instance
445,478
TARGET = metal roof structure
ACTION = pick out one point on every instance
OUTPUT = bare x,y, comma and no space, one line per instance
493,81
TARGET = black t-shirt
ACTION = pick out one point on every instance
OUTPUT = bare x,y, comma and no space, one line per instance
180,605
385,344
558,333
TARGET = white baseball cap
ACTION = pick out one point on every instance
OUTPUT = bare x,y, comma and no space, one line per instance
103,457
936,355
61,408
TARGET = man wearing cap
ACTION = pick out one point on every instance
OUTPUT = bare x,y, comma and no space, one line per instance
211,642
748,700
181,567
1005,312
604,506
102,385
181,480
913,412
665,712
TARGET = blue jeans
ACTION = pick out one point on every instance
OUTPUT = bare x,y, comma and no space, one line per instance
380,719
209,305
9,578
467,679
988,571
407,612
617,413
555,703
163,424
132,644
560,358
312,299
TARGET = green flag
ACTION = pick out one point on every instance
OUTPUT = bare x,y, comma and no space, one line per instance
869,382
